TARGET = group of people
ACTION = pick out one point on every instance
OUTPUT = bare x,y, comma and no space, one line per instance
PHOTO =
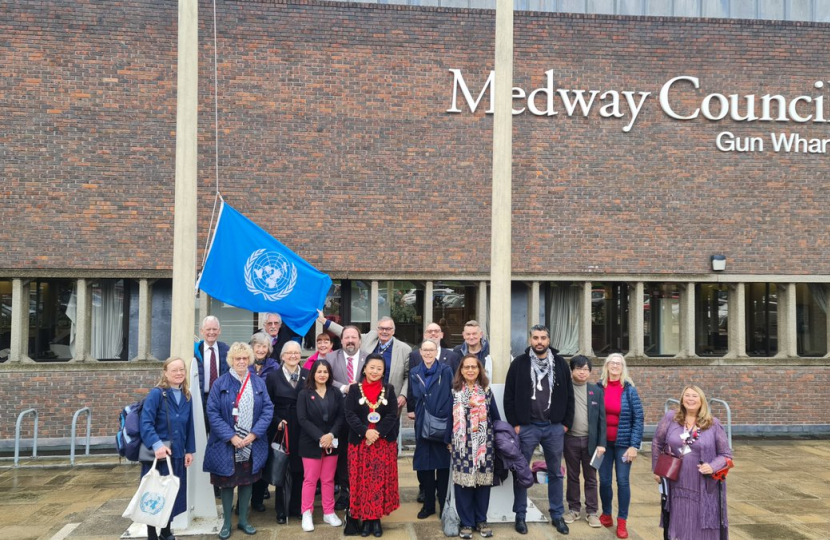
338,415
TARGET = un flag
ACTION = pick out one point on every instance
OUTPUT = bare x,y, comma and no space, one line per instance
248,268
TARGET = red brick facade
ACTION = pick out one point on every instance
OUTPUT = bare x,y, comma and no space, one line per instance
334,135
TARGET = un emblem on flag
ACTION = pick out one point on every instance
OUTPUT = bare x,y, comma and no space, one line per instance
270,274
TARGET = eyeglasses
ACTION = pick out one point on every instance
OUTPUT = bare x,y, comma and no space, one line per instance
583,368
273,324
434,331
291,354
614,363
385,328
470,367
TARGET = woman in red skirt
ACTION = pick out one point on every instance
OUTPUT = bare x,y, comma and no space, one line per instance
372,414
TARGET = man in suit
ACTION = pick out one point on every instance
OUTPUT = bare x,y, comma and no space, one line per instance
211,355
346,366
587,434
383,342
280,334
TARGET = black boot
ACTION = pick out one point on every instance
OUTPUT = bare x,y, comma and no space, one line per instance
378,532
166,534
368,528
152,534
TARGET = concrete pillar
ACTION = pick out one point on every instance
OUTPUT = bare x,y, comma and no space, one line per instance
636,322
374,314
427,305
532,304
586,346
687,321
145,320
787,341
183,313
19,346
83,322
481,309
736,321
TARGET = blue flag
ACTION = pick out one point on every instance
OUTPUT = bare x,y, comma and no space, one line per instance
248,268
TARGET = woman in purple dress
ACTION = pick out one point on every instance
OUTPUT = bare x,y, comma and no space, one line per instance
692,432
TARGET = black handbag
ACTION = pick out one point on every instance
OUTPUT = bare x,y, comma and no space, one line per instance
148,454
352,527
277,464
433,427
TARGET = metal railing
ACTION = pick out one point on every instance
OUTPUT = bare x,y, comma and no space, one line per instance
88,432
711,400
17,436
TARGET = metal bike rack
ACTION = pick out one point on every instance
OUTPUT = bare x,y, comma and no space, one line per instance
88,432
669,402
728,418
17,436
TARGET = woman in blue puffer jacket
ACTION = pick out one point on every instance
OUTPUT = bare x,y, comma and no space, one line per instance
624,419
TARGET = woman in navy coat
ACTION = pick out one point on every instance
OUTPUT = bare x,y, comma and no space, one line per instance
167,415
239,413
431,385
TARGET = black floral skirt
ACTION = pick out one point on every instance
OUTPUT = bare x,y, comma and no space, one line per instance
242,476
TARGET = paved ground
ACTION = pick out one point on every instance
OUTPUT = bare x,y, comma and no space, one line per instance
778,490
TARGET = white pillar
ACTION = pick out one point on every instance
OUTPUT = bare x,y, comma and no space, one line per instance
787,341
145,320
481,308
427,305
83,322
532,304
636,322
586,346
736,321
373,302
19,346
687,321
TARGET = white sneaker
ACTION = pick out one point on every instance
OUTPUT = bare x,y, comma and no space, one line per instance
570,516
308,524
332,520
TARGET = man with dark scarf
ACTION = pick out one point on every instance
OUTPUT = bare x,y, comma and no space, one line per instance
539,404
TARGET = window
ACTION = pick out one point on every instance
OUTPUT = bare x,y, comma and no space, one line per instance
609,318
5,319
453,304
50,322
661,319
711,314
811,319
404,302
761,319
109,334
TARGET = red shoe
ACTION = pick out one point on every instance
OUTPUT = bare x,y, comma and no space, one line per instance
622,532
606,520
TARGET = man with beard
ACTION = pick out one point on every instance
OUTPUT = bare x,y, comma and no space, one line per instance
539,404
346,365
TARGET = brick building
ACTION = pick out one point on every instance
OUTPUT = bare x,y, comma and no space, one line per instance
359,136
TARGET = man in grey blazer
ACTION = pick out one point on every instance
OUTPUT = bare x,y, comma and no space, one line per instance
382,341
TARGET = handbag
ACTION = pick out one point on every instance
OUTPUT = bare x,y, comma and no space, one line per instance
153,503
352,527
450,522
668,465
433,427
277,464
146,453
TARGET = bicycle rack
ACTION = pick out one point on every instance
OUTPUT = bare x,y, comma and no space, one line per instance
17,436
668,402
88,432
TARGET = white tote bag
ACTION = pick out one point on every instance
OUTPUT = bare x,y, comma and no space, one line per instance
153,503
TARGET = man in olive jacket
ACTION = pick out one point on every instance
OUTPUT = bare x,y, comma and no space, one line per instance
539,404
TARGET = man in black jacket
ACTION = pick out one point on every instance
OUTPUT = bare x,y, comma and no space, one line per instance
539,404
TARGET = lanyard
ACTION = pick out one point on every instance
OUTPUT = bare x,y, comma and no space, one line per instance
239,396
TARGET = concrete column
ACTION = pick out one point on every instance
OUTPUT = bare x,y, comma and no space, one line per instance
186,194
145,320
586,346
428,316
736,321
83,322
481,308
687,321
636,322
532,304
787,341
374,314
19,346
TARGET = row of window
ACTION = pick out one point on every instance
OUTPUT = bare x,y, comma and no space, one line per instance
52,308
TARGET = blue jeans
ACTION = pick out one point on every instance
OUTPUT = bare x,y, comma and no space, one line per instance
552,439
613,459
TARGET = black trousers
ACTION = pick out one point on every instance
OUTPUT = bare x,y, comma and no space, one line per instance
472,504
342,474
434,481
258,491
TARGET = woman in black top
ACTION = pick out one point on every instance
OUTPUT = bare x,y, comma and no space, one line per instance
284,386
320,413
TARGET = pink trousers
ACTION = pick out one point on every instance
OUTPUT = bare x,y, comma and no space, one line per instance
323,470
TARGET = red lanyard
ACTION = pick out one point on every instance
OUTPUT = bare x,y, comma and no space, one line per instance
239,396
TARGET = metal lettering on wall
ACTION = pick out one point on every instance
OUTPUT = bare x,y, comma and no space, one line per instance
628,104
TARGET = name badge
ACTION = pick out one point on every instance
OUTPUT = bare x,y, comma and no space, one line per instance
235,412
685,450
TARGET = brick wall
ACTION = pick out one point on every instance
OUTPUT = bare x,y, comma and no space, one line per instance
334,136
773,397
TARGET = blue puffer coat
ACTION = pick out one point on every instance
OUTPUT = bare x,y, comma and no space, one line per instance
219,451
630,430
